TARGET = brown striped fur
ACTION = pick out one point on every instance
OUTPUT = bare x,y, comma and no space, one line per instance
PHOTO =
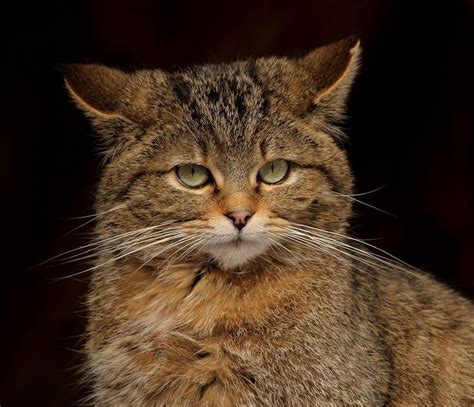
283,328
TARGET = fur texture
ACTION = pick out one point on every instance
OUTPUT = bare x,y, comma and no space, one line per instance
186,310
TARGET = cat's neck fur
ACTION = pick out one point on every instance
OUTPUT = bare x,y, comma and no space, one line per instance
206,300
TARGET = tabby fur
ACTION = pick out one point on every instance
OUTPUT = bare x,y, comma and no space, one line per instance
282,323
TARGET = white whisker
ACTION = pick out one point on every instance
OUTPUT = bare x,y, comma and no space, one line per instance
336,247
364,203
103,242
122,247
93,218
363,243
114,259
368,192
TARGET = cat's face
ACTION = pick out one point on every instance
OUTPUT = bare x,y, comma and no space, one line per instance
221,163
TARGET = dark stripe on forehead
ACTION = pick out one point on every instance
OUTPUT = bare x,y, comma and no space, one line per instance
214,94
196,115
240,105
233,85
182,90
265,105
252,72
263,147
228,86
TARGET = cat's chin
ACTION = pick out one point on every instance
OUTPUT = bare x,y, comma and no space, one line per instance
237,252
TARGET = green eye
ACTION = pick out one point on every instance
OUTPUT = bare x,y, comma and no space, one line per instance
193,175
274,171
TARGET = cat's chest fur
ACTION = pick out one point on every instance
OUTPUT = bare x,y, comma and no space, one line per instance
228,340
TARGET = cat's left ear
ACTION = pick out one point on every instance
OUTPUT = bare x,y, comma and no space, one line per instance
331,71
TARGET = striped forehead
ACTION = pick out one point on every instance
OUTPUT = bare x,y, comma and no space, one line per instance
224,103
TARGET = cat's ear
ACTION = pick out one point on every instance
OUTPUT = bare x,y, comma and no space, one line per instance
330,72
315,86
106,93
118,104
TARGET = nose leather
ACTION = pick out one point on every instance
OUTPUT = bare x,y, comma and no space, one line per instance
239,217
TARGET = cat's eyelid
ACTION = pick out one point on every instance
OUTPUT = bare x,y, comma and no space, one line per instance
176,183
215,175
277,158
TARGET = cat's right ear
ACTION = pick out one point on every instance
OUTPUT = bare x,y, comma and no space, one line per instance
117,103
95,88
106,93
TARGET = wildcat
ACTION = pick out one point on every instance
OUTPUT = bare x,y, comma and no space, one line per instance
224,273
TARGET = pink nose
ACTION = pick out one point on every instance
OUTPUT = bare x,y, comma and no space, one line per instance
239,217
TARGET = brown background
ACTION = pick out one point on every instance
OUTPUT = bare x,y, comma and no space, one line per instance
411,132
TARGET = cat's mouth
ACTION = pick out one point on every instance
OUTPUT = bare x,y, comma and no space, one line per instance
236,250
239,239
237,242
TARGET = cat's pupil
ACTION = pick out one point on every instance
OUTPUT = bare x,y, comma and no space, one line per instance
193,175
275,171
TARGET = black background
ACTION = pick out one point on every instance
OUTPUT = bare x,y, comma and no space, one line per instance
411,133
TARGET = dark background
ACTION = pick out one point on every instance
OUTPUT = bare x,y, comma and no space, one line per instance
411,133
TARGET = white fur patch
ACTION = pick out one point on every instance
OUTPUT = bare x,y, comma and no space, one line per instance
232,248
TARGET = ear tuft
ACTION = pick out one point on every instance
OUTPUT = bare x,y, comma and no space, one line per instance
96,88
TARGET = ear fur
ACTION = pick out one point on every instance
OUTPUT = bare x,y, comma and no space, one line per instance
316,86
106,93
116,102
96,88
333,69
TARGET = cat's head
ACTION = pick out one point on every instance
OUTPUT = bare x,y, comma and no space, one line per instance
222,162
